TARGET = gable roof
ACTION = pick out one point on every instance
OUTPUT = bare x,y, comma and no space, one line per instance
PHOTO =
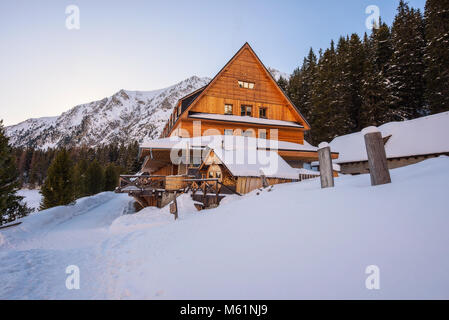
187,100
242,158
190,100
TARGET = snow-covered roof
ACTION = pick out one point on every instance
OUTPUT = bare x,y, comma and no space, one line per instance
246,119
307,171
335,166
204,141
251,162
425,135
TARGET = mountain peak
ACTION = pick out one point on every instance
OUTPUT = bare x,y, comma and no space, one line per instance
124,117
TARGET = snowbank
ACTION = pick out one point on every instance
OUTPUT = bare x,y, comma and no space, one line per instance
294,241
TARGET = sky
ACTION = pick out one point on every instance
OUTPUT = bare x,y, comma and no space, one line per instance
47,68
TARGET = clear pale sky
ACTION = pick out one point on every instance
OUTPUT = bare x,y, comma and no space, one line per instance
45,69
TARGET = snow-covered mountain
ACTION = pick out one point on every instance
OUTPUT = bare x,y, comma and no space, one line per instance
126,116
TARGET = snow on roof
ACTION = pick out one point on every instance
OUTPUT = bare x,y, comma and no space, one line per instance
335,166
203,141
247,119
307,171
425,135
251,162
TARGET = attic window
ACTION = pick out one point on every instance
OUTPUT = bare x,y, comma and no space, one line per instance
246,85
228,109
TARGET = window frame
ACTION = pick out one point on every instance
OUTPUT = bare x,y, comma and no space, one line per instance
227,112
246,84
265,109
244,113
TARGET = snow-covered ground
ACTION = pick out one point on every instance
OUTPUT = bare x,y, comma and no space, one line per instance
296,241
31,197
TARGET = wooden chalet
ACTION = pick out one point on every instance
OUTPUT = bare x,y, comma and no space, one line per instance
242,100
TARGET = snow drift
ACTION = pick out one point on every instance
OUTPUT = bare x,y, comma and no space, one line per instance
296,241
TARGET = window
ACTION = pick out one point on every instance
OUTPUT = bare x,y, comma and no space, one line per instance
263,113
228,132
262,134
248,133
228,109
246,110
246,85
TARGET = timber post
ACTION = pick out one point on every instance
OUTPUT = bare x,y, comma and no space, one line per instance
377,157
174,208
325,159
264,180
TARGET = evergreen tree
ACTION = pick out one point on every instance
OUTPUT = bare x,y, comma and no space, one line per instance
80,180
382,47
374,109
94,178
328,115
407,68
437,55
283,83
300,87
111,175
354,75
58,188
10,204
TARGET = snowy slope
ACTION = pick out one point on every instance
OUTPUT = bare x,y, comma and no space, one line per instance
297,241
126,116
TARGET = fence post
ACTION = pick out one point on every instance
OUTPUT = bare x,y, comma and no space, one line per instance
377,158
174,207
325,159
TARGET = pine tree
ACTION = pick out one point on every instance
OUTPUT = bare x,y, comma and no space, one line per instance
10,204
111,174
406,72
382,46
374,109
329,116
437,55
80,183
58,188
94,178
300,87
283,83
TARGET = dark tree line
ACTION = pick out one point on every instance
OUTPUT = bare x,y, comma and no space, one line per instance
395,73
68,174
11,207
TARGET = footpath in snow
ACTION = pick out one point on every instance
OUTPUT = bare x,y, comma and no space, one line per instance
296,242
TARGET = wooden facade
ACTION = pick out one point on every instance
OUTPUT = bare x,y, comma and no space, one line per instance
225,94
242,99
